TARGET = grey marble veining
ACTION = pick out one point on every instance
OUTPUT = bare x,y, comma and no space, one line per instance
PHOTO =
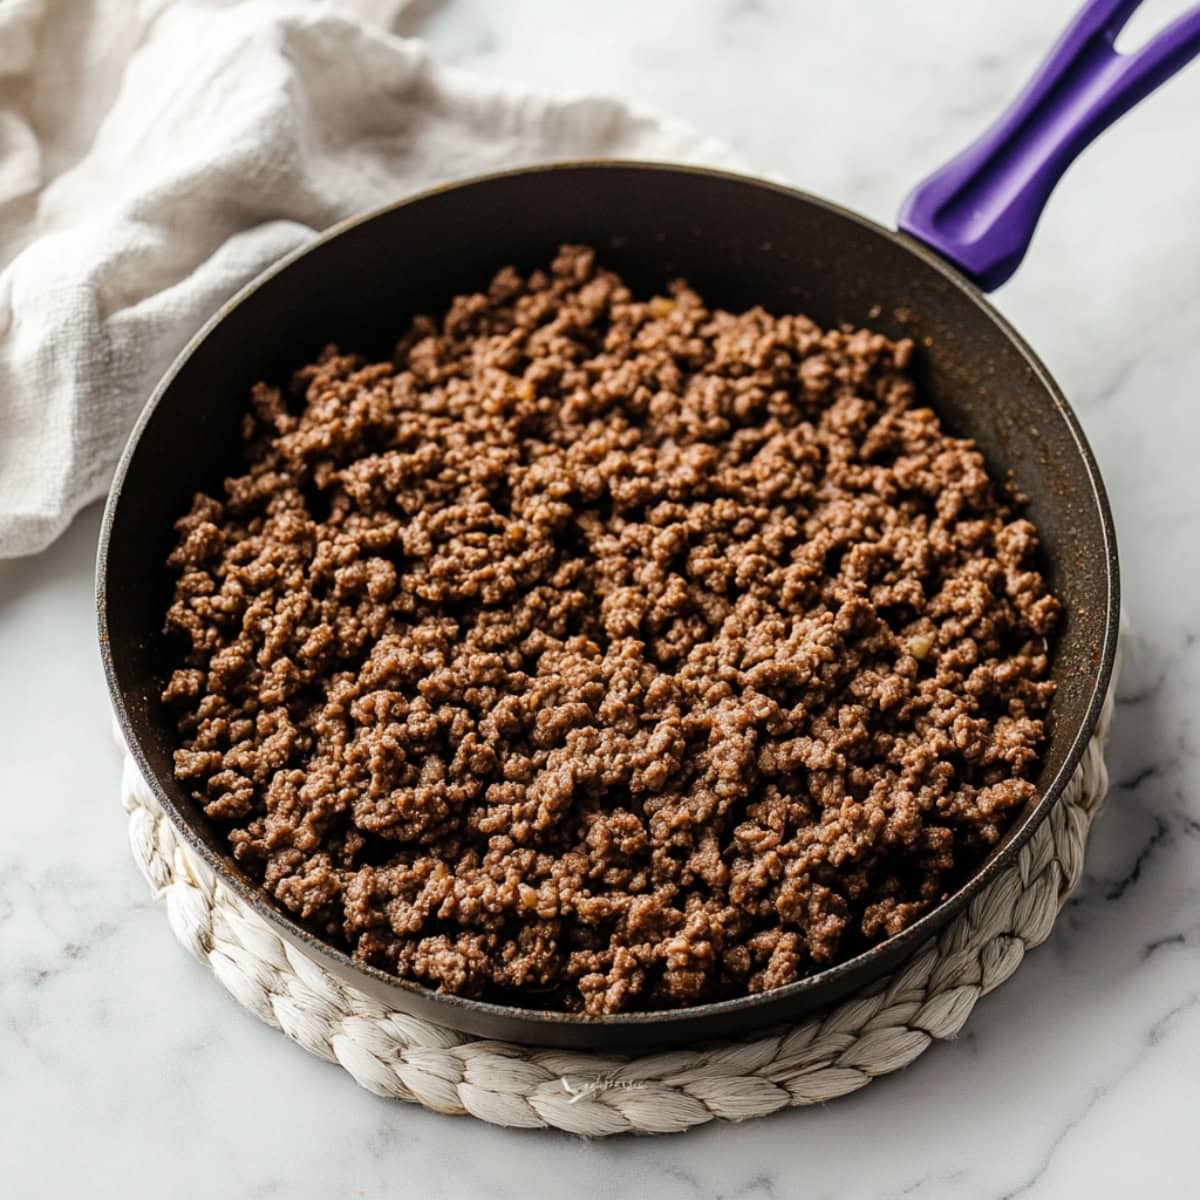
126,1071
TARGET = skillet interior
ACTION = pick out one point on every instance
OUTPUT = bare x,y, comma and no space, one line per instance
739,242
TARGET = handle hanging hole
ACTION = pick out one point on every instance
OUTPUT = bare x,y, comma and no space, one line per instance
1149,20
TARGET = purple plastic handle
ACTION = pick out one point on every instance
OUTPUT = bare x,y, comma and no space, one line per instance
981,208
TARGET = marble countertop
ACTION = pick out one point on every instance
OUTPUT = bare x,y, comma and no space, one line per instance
126,1071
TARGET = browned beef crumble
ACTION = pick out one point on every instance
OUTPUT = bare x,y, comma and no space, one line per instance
603,654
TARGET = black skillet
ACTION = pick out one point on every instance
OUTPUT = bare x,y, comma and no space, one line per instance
740,242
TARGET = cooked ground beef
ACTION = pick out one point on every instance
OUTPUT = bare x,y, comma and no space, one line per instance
603,654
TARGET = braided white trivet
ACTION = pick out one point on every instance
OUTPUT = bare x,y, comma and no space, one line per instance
825,1056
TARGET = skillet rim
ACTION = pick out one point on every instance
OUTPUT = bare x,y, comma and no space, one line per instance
608,1028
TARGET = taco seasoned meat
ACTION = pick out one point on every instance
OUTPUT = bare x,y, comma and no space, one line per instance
607,654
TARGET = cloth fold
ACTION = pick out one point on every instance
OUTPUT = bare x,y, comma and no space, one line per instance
155,156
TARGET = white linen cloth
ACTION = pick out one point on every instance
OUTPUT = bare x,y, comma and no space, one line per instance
156,155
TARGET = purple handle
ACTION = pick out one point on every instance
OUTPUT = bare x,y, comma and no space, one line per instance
981,208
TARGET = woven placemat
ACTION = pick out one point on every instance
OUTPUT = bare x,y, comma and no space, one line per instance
825,1056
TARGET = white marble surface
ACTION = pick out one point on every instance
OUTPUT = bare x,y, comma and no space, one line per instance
126,1071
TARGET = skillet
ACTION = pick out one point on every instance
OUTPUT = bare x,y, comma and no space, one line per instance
739,241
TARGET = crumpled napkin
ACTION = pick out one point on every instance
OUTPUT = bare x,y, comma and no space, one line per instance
155,155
